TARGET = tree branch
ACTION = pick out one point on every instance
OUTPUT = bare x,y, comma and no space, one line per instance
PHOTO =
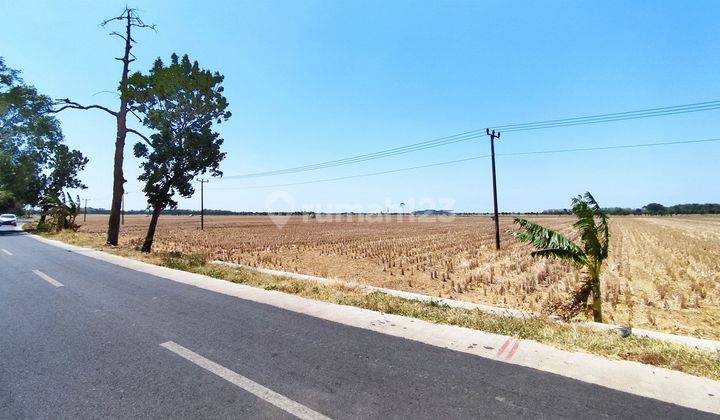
117,34
131,15
126,14
135,114
68,104
137,133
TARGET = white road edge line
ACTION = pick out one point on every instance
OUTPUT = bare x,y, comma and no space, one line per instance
6,251
48,278
248,385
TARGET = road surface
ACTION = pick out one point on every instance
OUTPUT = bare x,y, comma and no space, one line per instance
82,338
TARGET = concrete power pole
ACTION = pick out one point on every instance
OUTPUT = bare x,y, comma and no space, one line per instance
85,213
202,203
494,136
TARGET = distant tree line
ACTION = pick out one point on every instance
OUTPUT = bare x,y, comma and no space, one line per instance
654,209
650,209
208,212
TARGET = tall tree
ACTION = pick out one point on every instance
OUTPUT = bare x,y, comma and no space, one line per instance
655,209
33,160
594,232
180,102
131,20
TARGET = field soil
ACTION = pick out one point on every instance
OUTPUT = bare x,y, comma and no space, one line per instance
663,272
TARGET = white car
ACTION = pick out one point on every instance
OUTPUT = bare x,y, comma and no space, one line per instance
8,219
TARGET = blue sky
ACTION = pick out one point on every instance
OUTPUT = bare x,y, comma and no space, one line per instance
313,81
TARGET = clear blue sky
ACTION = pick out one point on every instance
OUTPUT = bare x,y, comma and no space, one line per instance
310,81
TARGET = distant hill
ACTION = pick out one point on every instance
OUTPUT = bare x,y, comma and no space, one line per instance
431,212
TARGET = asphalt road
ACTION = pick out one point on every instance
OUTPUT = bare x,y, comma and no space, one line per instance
81,338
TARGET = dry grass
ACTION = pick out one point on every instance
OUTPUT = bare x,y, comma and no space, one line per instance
663,272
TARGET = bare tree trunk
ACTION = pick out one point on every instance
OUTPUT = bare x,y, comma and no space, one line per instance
147,245
131,19
118,176
597,301
118,181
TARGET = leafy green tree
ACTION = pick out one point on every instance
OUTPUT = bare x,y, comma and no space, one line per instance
180,102
655,208
594,233
8,204
34,162
64,165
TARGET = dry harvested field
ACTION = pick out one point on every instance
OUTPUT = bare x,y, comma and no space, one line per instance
663,272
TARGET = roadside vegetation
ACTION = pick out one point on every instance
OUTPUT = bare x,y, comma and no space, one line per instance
36,166
565,336
661,272
593,230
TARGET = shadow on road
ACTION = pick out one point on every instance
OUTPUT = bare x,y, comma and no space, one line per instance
11,231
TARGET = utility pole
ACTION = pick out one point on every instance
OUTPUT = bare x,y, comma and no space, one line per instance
202,203
494,136
85,214
122,213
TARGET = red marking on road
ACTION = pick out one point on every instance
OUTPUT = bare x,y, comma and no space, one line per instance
513,350
503,347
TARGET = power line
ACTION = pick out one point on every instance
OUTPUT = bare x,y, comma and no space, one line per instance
621,146
108,197
694,107
450,162
370,156
611,119
356,176
473,134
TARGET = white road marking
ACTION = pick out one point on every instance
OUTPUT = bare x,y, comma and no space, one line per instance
7,252
254,388
48,278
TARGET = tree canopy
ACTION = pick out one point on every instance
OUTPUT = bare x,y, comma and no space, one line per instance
180,102
34,162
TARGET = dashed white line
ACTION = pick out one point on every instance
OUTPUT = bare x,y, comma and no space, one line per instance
48,278
6,251
248,385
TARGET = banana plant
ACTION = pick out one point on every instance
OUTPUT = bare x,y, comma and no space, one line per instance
588,256
62,211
